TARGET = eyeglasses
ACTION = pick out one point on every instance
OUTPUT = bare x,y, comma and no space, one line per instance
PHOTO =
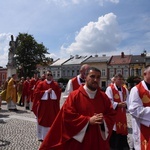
49,75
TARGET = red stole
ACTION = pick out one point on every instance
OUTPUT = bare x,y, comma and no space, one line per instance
145,131
75,83
121,119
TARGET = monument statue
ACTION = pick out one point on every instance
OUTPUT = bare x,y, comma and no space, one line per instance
11,65
11,52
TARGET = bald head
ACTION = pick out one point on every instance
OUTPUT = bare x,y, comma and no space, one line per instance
147,68
83,69
147,74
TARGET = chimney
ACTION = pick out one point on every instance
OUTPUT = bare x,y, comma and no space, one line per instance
122,54
76,56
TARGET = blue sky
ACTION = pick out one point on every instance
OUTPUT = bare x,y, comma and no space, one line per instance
84,27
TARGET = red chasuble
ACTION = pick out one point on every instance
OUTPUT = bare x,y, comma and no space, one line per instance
75,83
145,131
72,118
35,99
26,90
121,119
32,85
47,109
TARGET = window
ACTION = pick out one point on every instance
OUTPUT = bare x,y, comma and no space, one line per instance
72,72
57,73
103,84
103,73
63,72
125,73
3,76
138,72
132,72
111,73
53,74
68,72
119,71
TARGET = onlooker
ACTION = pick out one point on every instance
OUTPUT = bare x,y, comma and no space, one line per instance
75,82
119,97
86,119
139,108
48,95
11,93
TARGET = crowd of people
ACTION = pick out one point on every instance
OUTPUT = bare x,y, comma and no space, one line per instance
17,92
89,118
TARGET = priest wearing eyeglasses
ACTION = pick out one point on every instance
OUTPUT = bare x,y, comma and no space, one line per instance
48,95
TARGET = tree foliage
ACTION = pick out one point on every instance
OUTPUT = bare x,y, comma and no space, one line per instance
134,79
28,54
63,80
130,79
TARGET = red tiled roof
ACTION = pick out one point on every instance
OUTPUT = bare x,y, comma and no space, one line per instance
120,60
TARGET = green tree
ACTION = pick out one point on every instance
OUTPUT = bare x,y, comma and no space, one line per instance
63,80
28,54
133,80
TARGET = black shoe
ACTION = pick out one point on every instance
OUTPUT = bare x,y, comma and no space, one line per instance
40,140
27,108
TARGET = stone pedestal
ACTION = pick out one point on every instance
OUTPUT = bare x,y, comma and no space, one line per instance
10,70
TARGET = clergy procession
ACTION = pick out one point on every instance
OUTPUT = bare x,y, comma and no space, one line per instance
85,117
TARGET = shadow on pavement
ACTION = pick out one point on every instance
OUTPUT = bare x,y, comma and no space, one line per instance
2,121
4,116
21,111
3,110
4,143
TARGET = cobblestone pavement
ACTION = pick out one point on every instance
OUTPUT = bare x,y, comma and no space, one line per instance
18,129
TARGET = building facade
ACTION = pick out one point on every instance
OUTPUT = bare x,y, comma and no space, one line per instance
127,65
3,75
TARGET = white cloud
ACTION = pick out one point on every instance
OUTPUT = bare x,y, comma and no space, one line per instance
114,1
96,37
52,55
4,46
76,1
66,2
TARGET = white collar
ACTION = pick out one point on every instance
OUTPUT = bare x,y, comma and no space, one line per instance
90,93
48,82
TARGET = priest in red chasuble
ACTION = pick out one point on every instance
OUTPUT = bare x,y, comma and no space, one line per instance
47,95
85,121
